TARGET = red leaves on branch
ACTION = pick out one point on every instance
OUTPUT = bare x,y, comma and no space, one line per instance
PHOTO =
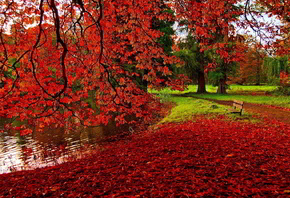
92,61
209,157
84,61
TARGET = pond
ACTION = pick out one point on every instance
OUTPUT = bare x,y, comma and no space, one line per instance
50,147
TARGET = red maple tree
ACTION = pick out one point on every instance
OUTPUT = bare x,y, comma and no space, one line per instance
79,60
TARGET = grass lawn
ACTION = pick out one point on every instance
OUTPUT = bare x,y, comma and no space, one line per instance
281,101
187,108
235,92
251,88
190,89
211,89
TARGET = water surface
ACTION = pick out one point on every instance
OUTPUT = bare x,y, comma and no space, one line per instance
50,147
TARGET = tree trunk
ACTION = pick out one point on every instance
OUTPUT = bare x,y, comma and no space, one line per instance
201,82
222,89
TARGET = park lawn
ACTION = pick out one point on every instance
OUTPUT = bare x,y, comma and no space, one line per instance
189,89
212,89
235,92
281,101
188,109
251,88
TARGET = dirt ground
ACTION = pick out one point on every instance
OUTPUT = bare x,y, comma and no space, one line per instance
282,115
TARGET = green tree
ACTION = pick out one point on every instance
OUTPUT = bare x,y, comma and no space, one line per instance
274,66
225,47
165,41
194,61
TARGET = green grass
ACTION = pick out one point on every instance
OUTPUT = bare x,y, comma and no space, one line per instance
190,89
252,88
235,92
282,101
211,89
186,108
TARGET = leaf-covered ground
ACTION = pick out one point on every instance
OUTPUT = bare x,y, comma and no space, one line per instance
205,158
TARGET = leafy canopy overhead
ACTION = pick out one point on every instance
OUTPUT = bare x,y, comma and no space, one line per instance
78,60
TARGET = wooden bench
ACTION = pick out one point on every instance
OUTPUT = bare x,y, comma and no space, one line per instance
237,107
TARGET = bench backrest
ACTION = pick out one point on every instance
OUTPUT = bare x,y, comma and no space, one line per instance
238,104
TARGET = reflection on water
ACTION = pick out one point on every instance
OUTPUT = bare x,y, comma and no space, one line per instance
50,147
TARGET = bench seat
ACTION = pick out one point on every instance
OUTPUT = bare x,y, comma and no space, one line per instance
237,107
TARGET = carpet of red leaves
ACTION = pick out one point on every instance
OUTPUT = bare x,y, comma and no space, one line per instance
205,158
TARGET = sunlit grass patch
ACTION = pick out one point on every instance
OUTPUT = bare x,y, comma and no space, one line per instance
187,107
251,88
282,101
190,89
233,89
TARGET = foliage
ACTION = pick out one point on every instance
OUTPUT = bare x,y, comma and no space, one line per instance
275,10
210,36
190,54
278,70
55,54
165,26
79,48
274,66
215,76
195,60
251,69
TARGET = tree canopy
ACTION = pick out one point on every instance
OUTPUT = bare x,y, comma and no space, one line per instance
78,60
